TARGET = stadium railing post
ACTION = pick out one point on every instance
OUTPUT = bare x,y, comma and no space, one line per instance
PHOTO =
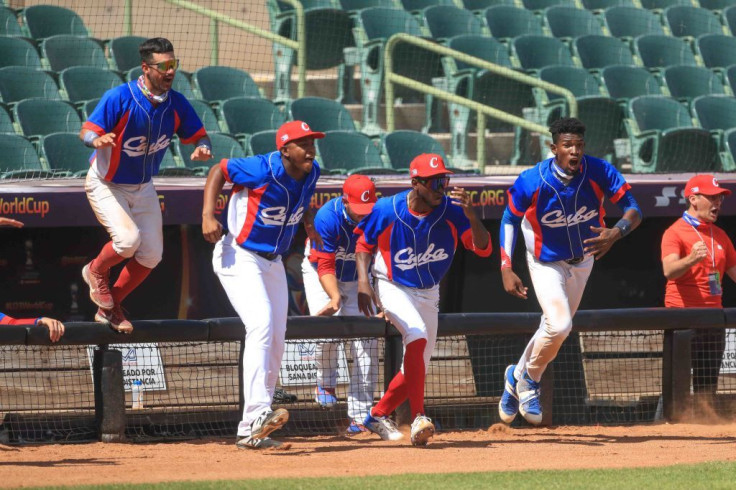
109,394
676,355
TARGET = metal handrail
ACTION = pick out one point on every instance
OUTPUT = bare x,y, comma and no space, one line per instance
482,109
299,45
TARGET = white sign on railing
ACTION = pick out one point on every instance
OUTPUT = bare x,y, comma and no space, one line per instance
140,362
299,364
728,364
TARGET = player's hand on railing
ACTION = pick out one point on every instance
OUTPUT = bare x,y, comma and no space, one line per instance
201,154
104,140
211,229
11,222
56,328
600,245
512,284
331,308
366,298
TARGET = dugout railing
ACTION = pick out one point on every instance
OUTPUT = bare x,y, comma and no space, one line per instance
618,366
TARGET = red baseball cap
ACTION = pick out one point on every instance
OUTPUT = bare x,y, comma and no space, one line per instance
427,165
704,184
295,130
360,192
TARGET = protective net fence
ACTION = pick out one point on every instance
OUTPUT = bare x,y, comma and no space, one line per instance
651,85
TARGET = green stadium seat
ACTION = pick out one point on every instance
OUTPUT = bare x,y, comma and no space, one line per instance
328,33
181,83
356,5
88,107
716,4
19,160
322,114
597,52
82,83
717,114
42,21
663,4
604,4
659,52
689,21
262,142
544,4
206,115
730,77
631,22
601,114
625,82
306,4
63,51
717,50
9,23
171,168
687,82
23,82
217,83
480,5
65,153
18,52
374,27
730,150
39,117
447,21
244,116
402,146
536,52
124,52
664,139
508,21
349,152
418,5
571,22
223,146
729,18
6,122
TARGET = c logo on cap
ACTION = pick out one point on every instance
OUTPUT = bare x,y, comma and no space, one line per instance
305,127
715,182
433,162
364,197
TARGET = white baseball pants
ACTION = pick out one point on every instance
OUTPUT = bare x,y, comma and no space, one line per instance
258,291
364,373
412,311
559,288
131,215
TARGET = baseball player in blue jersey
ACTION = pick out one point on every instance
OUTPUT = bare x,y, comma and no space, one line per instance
331,287
558,205
270,197
412,237
130,131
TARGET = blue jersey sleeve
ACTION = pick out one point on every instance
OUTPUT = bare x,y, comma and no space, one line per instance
375,223
251,172
327,225
108,112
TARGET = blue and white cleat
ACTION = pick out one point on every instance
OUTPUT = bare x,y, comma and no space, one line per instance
529,405
325,396
508,407
384,427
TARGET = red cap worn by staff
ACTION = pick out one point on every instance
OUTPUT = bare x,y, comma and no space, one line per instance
295,130
360,193
706,185
427,165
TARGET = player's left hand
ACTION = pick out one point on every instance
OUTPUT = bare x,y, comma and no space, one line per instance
11,222
331,308
600,245
201,154
460,197
56,328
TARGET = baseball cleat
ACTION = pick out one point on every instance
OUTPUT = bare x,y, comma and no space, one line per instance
529,406
421,430
251,442
356,428
268,422
508,407
325,396
99,288
115,318
384,427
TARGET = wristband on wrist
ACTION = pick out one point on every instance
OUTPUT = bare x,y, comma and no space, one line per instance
89,138
204,143
624,225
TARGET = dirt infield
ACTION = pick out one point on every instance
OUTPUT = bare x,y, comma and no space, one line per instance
499,448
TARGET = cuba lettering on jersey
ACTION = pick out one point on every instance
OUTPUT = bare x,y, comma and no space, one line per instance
414,251
266,205
557,217
338,238
142,132
6,320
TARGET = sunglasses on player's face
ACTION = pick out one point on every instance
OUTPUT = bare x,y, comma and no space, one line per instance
165,66
435,183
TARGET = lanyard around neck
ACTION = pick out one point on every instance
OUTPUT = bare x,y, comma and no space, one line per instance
694,222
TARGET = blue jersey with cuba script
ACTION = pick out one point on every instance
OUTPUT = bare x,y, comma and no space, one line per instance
556,217
142,132
338,238
415,251
266,204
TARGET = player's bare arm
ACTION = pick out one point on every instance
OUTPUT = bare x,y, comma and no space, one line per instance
675,266
312,232
600,245
366,295
91,139
202,151
460,197
13,223
211,227
512,284
56,328
329,284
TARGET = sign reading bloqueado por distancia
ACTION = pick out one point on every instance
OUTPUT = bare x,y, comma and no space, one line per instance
140,362
299,364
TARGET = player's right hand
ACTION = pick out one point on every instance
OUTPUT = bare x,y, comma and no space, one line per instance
104,140
698,253
366,298
512,284
56,328
11,222
331,308
211,229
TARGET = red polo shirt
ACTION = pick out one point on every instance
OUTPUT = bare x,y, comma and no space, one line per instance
691,289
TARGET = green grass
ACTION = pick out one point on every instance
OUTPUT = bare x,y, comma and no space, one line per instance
708,475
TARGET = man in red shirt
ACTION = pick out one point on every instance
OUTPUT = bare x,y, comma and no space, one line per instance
695,255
